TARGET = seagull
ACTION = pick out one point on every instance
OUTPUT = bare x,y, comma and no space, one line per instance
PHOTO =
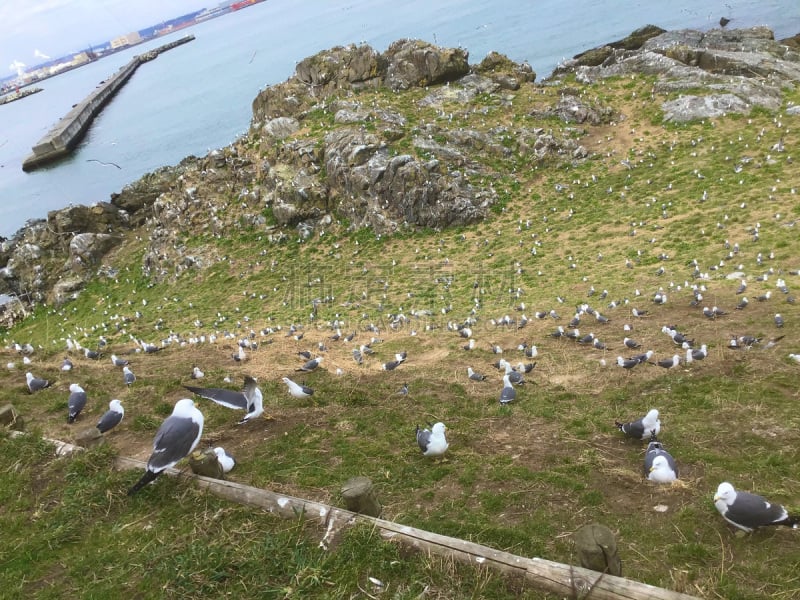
240,355
36,383
475,376
778,320
696,354
76,401
118,362
508,393
669,363
432,442
659,466
641,429
197,373
311,364
297,390
632,344
226,461
749,511
128,375
250,399
526,367
514,377
627,363
112,416
67,364
175,439
92,354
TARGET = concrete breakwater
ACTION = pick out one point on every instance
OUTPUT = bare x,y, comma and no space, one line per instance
65,135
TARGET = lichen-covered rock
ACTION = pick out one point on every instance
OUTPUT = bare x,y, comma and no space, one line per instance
690,108
414,63
86,249
281,127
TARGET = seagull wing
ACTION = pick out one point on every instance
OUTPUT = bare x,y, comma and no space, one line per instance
228,398
752,510
175,439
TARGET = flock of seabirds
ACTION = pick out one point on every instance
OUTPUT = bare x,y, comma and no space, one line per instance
180,433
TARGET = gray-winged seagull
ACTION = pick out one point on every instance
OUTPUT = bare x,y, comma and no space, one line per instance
175,439
75,402
298,390
659,466
749,511
112,417
641,429
36,383
249,399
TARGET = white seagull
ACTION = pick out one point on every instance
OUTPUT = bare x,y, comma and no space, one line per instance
298,390
432,442
226,461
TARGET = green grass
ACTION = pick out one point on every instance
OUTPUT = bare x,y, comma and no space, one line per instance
520,478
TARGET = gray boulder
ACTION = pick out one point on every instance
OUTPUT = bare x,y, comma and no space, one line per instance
414,63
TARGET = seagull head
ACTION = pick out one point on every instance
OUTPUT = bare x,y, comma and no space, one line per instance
725,493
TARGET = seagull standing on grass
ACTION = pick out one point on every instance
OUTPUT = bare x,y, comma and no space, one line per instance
128,375
75,402
298,390
432,442
36,383
112,417
749,511
641,429
175,439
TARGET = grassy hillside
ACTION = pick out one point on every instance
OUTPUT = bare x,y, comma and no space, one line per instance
655,208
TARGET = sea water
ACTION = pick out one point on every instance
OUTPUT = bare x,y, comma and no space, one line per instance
198,96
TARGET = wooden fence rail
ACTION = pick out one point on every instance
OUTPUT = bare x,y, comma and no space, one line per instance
566,580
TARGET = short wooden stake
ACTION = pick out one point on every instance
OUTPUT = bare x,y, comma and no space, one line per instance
206,463
359,496
9,417
597,549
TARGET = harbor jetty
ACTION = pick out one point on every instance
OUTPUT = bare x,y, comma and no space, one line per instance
18,95
69,130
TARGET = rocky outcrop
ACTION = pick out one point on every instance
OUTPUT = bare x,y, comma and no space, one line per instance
390,141
737,69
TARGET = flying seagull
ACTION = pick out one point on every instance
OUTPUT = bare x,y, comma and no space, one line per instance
641,429
226,461
249,400
75,402
659,466
749,511
176,438
298,390
432,442
112,416
36,383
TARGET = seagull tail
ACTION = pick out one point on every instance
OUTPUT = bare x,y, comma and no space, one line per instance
620,426
146,478
792,521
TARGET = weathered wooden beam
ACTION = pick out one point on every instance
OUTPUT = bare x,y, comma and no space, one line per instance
576,582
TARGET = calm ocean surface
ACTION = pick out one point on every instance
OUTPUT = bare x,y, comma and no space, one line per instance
197,97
